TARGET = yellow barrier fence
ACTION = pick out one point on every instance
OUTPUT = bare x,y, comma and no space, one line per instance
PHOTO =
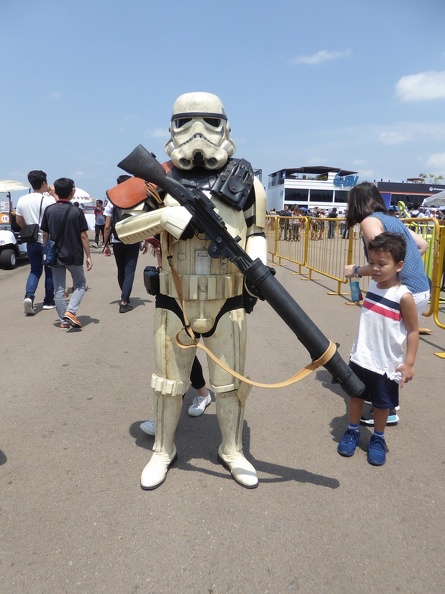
325,246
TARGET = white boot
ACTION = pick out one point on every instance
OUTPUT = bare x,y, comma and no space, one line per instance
167,413
230,414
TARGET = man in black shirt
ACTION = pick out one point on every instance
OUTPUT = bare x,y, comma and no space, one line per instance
72,242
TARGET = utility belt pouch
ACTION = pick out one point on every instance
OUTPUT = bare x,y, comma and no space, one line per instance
151,280
234,183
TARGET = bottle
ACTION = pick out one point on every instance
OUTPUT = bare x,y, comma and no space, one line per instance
356,294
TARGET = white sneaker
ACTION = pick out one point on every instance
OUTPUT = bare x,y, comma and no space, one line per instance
148,427
94,245
28,307
199,404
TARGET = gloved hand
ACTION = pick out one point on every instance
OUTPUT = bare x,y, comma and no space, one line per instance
253,289
251,293
249,301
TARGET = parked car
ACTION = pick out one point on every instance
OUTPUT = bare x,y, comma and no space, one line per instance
10,250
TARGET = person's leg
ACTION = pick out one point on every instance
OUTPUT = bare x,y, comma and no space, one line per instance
385,400
119,256
169,382
199,403
204,398
355,410
231,394
351,437
96,234
130,262
35,253
196,376
59,280
49,287
380,418
377,444
79,284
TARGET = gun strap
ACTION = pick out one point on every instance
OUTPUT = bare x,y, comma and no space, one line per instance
309,368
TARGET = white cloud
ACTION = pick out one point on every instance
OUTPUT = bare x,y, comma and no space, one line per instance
421,87
436,162
393,138
321,56
55,95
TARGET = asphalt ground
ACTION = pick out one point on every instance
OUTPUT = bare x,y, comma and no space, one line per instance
73,518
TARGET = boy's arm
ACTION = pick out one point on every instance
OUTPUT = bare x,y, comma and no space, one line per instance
410,318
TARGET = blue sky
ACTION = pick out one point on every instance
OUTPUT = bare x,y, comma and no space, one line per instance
353,84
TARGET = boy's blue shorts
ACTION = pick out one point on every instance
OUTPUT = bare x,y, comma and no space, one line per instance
379,389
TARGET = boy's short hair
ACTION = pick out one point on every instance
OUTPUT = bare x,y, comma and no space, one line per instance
36,178
393,243
63,187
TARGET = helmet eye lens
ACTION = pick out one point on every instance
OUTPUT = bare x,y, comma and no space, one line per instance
215,122
180,122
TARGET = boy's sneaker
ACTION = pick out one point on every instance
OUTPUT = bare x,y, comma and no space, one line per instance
377,451
148,427
348,443
199,404
28,307
368,418
49,305
72,320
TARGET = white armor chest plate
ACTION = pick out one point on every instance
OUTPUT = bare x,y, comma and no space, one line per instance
202,277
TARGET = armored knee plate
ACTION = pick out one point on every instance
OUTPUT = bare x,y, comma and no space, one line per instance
167,387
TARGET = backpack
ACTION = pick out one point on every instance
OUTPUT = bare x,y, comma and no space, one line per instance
119,214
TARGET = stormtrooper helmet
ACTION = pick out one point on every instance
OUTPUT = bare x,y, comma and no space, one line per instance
199,132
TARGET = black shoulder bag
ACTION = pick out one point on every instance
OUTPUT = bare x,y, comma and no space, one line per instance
30,233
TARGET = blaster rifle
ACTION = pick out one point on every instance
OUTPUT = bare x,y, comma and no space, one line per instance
144,165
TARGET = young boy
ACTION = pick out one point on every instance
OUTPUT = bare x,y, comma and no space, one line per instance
385,349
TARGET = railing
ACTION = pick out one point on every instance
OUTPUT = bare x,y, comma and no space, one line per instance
325,246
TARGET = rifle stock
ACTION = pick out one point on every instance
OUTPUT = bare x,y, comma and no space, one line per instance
143,164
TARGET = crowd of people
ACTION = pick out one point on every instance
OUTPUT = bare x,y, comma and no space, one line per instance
290,229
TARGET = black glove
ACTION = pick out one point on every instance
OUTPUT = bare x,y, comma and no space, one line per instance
189,231
249,301
251,293
251,288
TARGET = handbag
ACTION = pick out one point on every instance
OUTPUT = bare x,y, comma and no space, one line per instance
28,234
50,248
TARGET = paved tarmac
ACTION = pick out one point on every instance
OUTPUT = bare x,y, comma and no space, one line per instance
73,518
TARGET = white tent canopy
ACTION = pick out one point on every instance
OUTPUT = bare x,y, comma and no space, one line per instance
9,185
435,201
81,196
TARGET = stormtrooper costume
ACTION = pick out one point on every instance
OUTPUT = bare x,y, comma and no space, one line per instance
212,288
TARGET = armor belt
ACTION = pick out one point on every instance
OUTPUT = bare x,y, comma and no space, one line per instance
164,302
203,288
